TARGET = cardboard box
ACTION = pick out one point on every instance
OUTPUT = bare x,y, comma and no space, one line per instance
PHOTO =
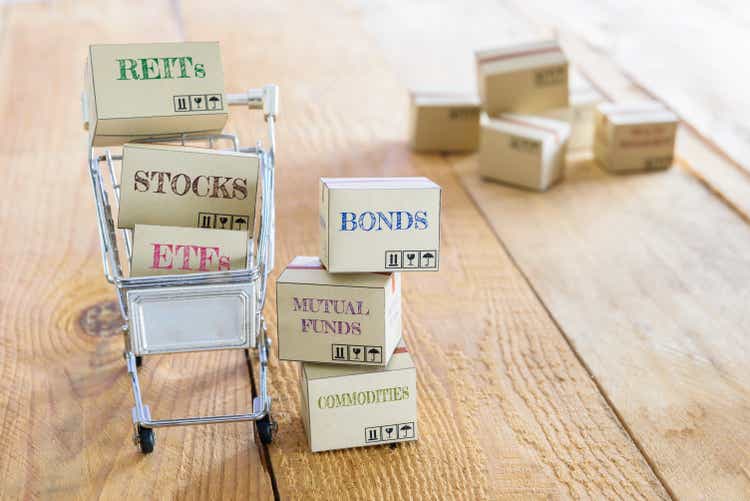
352,318
523,151
192,187
526,78
580,113
444,122
134,91
170,250
379,224
634,136
346,406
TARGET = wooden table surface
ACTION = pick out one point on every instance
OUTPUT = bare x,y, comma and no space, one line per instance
590,342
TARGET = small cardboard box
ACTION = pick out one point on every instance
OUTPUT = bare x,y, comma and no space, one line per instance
171,250
526,78
134,91
352,318
444,122
379,224
192,187
346,406
522,150
634,136
580,113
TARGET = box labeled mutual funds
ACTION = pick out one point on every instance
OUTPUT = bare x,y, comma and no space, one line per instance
149,90
525,78
379,224
352,318
194,187
346,406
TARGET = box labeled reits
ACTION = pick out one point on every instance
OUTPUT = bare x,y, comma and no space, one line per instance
135,91
379,224
171,250
347,406
352,318
523,150
526,78
444,122
634,136
192,187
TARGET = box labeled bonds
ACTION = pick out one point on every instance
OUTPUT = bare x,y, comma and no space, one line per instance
190,187
634,136
380,224
345,406
523,150
526,78
444,122
171,250
136,91
337,318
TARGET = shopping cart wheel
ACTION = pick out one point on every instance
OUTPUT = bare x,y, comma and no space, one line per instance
266,429
138,361
146,439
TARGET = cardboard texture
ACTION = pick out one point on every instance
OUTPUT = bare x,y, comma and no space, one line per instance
444,122
347,406
135,91
171,250
337,318
526,78
191,187
380,224
634,136
523,151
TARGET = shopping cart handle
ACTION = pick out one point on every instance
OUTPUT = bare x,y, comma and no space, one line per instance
266,98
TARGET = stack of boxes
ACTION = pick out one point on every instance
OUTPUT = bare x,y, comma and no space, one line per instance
340,314
529,118
191,209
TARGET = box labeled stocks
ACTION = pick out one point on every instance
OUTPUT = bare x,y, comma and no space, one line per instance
523,150
525,78
379,224
170,250
635,136
347,406
148,90
192,187
337,318
444,122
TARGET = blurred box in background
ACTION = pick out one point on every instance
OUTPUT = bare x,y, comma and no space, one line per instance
443,122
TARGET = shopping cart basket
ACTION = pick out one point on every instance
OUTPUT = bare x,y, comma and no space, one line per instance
201,311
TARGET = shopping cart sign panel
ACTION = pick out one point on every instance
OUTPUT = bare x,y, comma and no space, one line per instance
194,318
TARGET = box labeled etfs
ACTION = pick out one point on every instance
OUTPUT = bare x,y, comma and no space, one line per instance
352,318
526,78
523,150
193,187
346,406
136,91
379,224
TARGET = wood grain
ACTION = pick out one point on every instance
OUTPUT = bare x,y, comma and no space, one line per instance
65,396
506,409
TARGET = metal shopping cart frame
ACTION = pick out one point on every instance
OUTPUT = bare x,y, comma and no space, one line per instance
150,305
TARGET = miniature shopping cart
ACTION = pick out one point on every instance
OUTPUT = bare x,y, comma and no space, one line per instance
201,311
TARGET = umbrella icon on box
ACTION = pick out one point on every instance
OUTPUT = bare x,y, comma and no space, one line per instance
214,102
374,352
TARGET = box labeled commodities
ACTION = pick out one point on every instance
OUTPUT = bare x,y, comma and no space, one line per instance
634,136
526,78
522,150
177,186
352,318
347,406
444,122
148,90
580,112
171,250
379,224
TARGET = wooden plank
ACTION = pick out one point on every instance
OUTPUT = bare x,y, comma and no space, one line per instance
65,400
506,409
